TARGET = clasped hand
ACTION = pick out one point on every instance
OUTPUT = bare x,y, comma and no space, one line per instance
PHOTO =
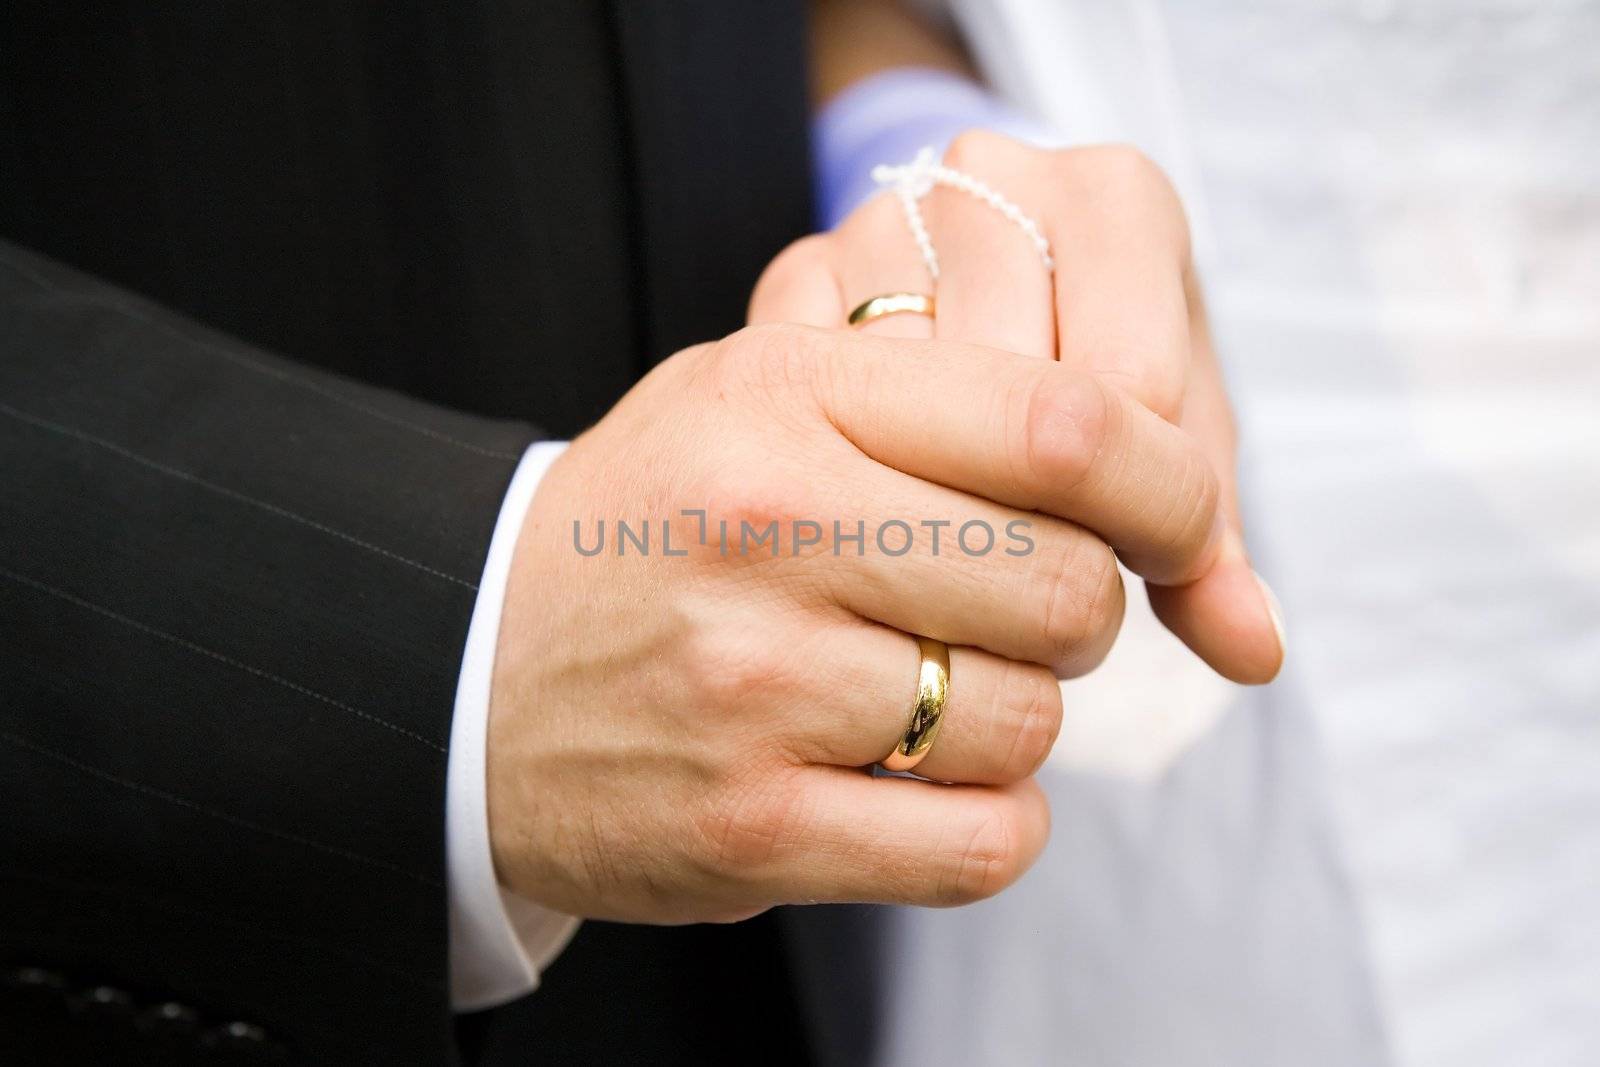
683,737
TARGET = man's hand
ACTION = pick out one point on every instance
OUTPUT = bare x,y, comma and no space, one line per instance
681,738
1123,306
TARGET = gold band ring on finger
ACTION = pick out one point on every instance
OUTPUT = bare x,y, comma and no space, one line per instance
933,689
891,304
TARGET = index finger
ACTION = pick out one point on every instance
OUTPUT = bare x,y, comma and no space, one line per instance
1028,433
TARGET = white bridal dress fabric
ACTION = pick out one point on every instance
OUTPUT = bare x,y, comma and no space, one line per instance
1393,854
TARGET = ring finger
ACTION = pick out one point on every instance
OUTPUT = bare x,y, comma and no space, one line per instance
1000,719
873,253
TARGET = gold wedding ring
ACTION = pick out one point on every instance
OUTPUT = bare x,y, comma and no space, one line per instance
892,304
933,688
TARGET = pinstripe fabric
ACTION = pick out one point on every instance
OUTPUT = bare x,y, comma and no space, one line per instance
234,587
174,504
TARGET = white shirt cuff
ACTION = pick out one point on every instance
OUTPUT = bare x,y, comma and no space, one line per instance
499,942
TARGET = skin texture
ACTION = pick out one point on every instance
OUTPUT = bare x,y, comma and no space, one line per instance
681,739
1124,305
1115,225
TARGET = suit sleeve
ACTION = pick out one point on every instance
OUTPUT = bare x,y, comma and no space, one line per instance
234,592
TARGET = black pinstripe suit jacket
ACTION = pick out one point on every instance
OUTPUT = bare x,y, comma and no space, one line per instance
284,290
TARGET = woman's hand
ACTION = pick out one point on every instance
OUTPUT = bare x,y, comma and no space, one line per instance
1123,304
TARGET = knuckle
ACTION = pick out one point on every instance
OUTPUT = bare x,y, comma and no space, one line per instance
987,861
771,357
750,513
1121,175
745,825
1107,603
695,365
1208,499
974,147
799,258
1123,159
1161,393
792,267
1031,710
1084,603
735,671
1121,168
1193,518
1065,429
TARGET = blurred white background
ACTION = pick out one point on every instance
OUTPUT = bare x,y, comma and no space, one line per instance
1393,855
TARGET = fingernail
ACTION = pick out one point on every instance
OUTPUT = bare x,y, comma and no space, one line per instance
1275,610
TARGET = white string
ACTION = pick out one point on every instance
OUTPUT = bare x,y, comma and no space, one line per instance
915,180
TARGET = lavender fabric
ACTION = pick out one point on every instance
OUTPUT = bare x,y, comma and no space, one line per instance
887,118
